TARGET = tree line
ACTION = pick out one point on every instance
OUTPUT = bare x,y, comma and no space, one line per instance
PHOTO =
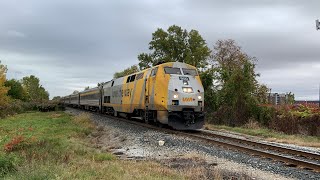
232,92
15,94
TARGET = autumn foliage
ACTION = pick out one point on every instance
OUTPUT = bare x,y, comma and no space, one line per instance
297,119
4,99
14,143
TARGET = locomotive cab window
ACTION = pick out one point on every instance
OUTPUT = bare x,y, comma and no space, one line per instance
170,70
128,79
191,72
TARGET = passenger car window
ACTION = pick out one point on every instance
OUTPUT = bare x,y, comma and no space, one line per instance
170,70
191,72
154,71
139,76
132,78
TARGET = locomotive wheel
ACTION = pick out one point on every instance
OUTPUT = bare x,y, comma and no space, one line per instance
159,124
146,121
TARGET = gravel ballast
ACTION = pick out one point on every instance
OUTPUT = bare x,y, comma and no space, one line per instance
130,141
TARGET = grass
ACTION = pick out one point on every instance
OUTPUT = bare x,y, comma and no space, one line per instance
270,135
54,145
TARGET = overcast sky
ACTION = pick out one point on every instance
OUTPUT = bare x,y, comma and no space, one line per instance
73,44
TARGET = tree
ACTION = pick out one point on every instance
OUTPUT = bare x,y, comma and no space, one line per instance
35,91
86,88
75,92
262,92
16,90
235,72
175,45
290,99
56,98
129,70
4,99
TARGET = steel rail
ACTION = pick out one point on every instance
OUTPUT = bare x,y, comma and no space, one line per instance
288,160
269,146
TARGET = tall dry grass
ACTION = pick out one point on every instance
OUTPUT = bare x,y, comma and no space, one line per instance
84,120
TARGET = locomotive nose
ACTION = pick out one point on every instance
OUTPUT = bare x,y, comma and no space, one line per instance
185,103
185,92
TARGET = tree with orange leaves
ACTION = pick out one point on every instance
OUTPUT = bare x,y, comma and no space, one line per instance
4,99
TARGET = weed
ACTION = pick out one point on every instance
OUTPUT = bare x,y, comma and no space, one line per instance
99,157
6,164
83,120
252,124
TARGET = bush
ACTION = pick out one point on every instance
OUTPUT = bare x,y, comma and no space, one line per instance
265,114
50,106
297,119
17,106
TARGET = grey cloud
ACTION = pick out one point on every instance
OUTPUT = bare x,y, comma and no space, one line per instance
72,44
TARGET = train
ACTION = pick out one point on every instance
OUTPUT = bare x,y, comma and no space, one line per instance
166,94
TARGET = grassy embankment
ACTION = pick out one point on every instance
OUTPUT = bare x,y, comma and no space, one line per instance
54,145
269,135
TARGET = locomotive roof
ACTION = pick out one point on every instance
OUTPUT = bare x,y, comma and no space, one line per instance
171,64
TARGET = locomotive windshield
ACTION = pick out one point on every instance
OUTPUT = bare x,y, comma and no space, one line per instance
191,72
170,70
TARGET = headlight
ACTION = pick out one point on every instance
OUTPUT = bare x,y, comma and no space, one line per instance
175,96
199,97
187,90
185,83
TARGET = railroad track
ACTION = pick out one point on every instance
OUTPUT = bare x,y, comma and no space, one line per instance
288,156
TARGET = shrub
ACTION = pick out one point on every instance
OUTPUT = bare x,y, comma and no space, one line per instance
294,123
264,114
17,106
49,106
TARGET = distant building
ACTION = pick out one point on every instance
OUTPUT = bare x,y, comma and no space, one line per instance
280,98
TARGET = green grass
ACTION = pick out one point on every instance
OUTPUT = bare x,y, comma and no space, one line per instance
54,145
271,135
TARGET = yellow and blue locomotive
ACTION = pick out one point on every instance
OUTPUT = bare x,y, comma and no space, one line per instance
170,93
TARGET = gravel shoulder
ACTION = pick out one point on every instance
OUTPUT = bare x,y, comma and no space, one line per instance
132,142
